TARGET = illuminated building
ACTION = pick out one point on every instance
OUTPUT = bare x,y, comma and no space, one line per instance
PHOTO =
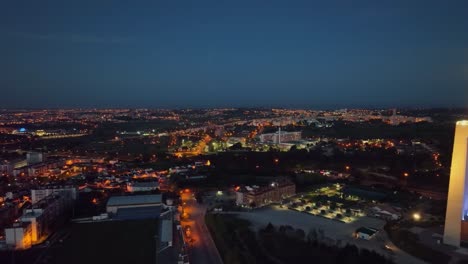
21,131
8,166
255,196
38,169
142,186
39,194
38,222
456,218
19,236
280,136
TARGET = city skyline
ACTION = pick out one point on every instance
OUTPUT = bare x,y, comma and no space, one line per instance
210,132
242,54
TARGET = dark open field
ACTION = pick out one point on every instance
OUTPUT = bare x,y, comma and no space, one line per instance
109,242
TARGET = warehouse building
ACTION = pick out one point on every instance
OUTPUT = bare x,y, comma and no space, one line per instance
135,207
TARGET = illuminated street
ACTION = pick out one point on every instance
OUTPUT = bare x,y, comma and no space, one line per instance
203,248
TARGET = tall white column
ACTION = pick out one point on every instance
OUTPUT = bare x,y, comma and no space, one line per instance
457,196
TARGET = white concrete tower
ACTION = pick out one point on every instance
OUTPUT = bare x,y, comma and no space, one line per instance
457,206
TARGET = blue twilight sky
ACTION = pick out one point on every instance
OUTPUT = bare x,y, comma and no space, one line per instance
289,53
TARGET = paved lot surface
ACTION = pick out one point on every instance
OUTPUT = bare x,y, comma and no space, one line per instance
332,229
431,237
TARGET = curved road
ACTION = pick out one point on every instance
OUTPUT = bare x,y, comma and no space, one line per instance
203,249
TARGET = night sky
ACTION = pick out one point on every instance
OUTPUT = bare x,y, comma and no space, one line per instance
285,53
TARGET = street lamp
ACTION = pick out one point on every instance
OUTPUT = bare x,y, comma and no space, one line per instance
416,216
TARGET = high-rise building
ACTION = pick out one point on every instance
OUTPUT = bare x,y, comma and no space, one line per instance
456,218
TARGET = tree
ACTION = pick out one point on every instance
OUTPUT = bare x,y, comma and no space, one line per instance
236,146
312,235
300,234
282,229
321,234
338,242
269,228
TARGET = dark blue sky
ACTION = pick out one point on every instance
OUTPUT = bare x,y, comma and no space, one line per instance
233,53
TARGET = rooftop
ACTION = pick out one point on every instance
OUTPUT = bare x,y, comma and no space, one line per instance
462,123
31,214
144,184
133,200
135,213
366,230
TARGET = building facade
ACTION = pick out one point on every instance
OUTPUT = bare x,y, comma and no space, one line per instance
39,194
121,203
280,137
39,221
34,157
142,186
256,196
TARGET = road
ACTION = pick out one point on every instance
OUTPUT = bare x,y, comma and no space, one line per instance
203,248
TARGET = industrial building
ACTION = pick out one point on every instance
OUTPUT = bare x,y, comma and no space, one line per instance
135,207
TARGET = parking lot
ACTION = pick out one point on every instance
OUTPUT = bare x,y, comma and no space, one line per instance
333,230
329,202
